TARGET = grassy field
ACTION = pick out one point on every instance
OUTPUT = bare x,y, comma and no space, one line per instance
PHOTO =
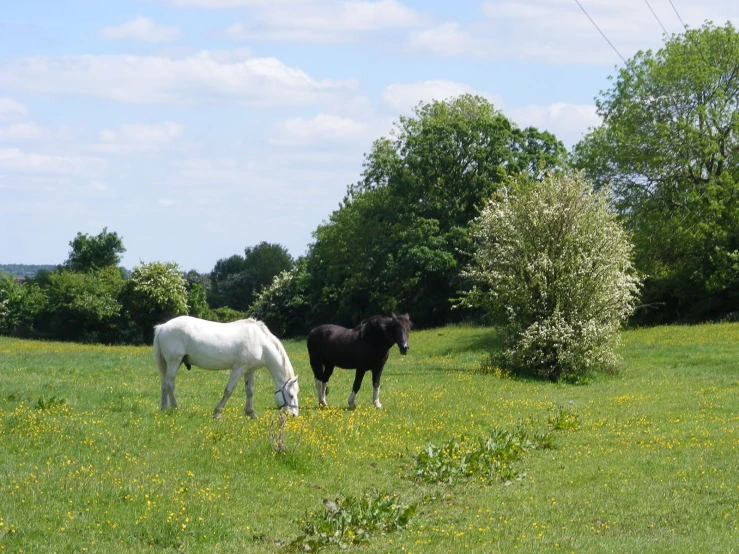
88,463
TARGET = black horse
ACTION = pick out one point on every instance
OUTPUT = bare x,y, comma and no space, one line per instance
364,348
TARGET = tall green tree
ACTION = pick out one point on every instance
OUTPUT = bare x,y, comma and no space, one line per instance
263,262
226,283
400,237
95,252
668,150
237,280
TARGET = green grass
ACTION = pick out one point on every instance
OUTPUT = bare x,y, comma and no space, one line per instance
88,463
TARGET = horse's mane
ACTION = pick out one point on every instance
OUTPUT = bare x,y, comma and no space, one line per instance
273,339
405,321
367,326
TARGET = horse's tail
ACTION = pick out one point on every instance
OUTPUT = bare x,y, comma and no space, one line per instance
158,356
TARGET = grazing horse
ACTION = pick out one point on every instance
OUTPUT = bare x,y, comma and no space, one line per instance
364,348
242,346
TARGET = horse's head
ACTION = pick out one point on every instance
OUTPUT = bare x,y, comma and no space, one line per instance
287,396
401,326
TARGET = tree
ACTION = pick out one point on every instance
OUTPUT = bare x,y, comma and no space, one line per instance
263,262
84,306
155,292
668,150
553,269
89,253
194,278
196,301
284,305
400,236
225,282
237,280
20,305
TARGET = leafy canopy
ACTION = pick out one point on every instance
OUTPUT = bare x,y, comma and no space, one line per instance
84,306
668,150
237,280
399,237
154,293
95,252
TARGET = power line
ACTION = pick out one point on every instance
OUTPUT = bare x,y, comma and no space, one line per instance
655,16
601,32
678,15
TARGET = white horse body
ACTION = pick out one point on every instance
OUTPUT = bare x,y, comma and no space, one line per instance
241,346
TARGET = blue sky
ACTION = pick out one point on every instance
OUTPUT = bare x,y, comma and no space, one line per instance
195,128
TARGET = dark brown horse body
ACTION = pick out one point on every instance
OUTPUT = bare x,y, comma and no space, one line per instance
364,348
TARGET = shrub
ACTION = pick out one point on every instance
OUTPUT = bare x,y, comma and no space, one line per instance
553,268
84,306
564,419
155,292
489,458
284,305
196,300
349,520
20,304
224,314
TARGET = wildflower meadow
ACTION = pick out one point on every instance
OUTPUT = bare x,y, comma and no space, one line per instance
462,458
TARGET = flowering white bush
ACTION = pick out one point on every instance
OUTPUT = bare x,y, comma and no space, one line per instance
283,305
553,268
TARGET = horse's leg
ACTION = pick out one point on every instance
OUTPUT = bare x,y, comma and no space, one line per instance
320,387
163,376
168,385
376,374
236,374
320,379
358,376
249,385
328,372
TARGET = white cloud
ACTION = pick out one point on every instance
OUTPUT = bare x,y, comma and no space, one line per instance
404,97
22,132
568,122
557,31
11,110
16,161
153,79
98,186
324,22
139,137
450,39
140,29
220,4
323,127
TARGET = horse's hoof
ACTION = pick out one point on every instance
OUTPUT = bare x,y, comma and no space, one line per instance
217,416
251,415
352,406
322,404
378,405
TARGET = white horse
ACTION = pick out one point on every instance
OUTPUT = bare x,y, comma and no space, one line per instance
241,346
